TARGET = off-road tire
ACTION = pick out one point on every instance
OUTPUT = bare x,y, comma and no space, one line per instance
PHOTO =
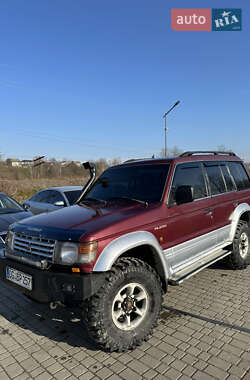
235,259
98,313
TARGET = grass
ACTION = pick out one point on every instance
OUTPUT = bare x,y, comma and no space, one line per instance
23,189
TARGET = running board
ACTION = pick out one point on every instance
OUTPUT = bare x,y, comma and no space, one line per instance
196,267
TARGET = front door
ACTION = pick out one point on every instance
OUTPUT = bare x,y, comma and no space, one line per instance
190,231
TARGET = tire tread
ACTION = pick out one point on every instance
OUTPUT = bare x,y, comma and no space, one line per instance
93,315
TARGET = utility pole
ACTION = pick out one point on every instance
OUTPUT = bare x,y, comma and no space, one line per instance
37,162
165,128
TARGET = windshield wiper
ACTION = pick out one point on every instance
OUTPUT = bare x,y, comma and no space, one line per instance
145,203
93,200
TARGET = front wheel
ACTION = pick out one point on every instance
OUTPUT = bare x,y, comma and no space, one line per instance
125,310
240,256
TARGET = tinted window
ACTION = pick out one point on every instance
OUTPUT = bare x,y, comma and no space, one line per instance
47,196
43,196
8,205
239,174
144,182
191,175
72,196
216,181
53,197
37,197
228,178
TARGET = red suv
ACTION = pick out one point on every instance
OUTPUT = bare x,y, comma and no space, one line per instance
140,226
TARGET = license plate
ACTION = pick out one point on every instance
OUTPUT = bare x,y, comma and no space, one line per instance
20,278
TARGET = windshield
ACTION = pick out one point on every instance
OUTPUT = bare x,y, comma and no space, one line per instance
8,205
141,182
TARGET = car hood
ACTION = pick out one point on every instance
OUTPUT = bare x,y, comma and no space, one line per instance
74,221
9,218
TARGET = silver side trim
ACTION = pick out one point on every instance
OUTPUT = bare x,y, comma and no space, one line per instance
189,252
196,241
124,243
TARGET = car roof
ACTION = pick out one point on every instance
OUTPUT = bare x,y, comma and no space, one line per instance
65,188
185,157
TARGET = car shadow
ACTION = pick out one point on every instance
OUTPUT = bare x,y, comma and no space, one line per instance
60,325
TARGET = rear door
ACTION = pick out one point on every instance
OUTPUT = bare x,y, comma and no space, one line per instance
224,197
229,186
190,229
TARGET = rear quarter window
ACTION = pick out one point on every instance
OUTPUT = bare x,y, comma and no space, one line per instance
239,175
216,180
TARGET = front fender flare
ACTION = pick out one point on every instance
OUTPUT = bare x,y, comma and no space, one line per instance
123,244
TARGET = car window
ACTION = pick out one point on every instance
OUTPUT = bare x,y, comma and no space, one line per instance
45,195
8,205
239,174
37,197
228,178
72,196
54,196
188,175
215,178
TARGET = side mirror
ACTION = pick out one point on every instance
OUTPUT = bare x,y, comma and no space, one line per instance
59,203
184,194
25,207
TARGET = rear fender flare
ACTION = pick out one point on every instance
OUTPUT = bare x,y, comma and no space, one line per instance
235,217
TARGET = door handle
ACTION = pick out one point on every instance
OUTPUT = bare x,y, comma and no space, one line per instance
208,211
235,203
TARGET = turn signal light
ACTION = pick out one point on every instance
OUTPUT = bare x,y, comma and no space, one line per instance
87,252
75,270
86,248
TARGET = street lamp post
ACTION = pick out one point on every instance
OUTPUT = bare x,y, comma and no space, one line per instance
165,128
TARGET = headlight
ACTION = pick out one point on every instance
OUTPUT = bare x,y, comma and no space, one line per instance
9,240
73,253
68,253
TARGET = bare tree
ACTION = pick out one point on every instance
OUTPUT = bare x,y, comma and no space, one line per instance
175,151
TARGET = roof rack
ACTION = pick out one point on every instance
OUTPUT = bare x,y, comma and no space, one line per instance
186,154
138,159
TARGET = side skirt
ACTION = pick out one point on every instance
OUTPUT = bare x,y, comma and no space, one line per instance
196,267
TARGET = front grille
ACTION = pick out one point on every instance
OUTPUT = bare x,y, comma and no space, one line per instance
34,246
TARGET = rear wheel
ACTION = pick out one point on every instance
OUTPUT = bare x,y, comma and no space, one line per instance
240,256
125,310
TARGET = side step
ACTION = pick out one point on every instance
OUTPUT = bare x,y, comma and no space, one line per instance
196,267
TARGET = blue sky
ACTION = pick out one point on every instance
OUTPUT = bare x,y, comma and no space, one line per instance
86,79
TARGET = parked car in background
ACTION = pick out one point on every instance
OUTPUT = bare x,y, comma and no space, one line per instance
52,199
10,211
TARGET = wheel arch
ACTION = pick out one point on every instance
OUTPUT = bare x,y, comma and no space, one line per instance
242,212
140,244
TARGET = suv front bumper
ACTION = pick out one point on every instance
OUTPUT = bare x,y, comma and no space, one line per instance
53,286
